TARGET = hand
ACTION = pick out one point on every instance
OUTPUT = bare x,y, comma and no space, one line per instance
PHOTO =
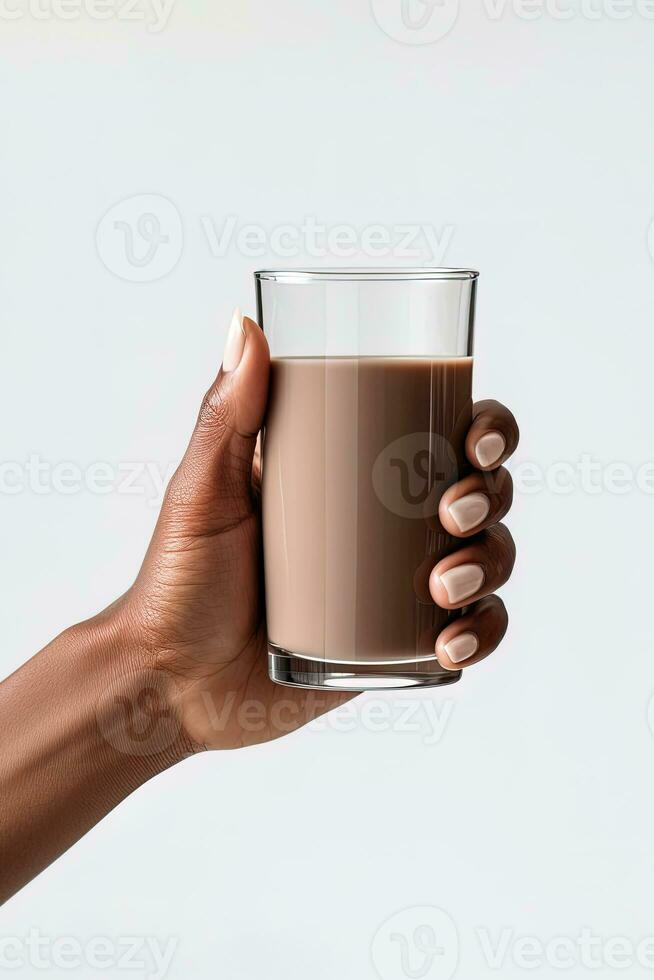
471,510
179,663
196,611
196,614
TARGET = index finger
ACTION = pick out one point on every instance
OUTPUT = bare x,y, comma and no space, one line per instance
493,435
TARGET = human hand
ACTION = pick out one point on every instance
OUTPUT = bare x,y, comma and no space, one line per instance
195,614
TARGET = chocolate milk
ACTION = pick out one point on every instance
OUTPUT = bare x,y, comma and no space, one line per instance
357,454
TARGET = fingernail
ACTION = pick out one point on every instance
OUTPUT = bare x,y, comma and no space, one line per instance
469,511
462,581
490,448
235,343
462,647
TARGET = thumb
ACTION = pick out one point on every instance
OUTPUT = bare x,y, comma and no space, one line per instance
215,476
243,377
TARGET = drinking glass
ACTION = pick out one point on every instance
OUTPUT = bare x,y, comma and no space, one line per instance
370,403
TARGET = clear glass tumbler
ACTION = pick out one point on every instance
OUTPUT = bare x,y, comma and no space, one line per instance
370,402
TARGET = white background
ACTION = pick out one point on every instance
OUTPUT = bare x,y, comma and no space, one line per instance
531,140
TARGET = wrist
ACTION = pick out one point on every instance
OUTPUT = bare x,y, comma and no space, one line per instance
137,718
85,723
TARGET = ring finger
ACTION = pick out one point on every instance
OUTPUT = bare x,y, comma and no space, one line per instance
475,571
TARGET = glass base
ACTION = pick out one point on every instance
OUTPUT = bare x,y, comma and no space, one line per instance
294,670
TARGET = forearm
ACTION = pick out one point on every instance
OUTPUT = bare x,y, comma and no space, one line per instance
82,725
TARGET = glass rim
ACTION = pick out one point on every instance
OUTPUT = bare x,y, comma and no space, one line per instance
366,275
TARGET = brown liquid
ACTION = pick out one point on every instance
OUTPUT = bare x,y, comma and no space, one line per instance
357,454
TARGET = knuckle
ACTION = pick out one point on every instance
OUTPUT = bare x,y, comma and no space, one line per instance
499,614
502,623
180,492
493,618
501,552
506,492
516,429
216,410
499,485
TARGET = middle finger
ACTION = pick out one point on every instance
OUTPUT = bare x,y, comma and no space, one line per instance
477,502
